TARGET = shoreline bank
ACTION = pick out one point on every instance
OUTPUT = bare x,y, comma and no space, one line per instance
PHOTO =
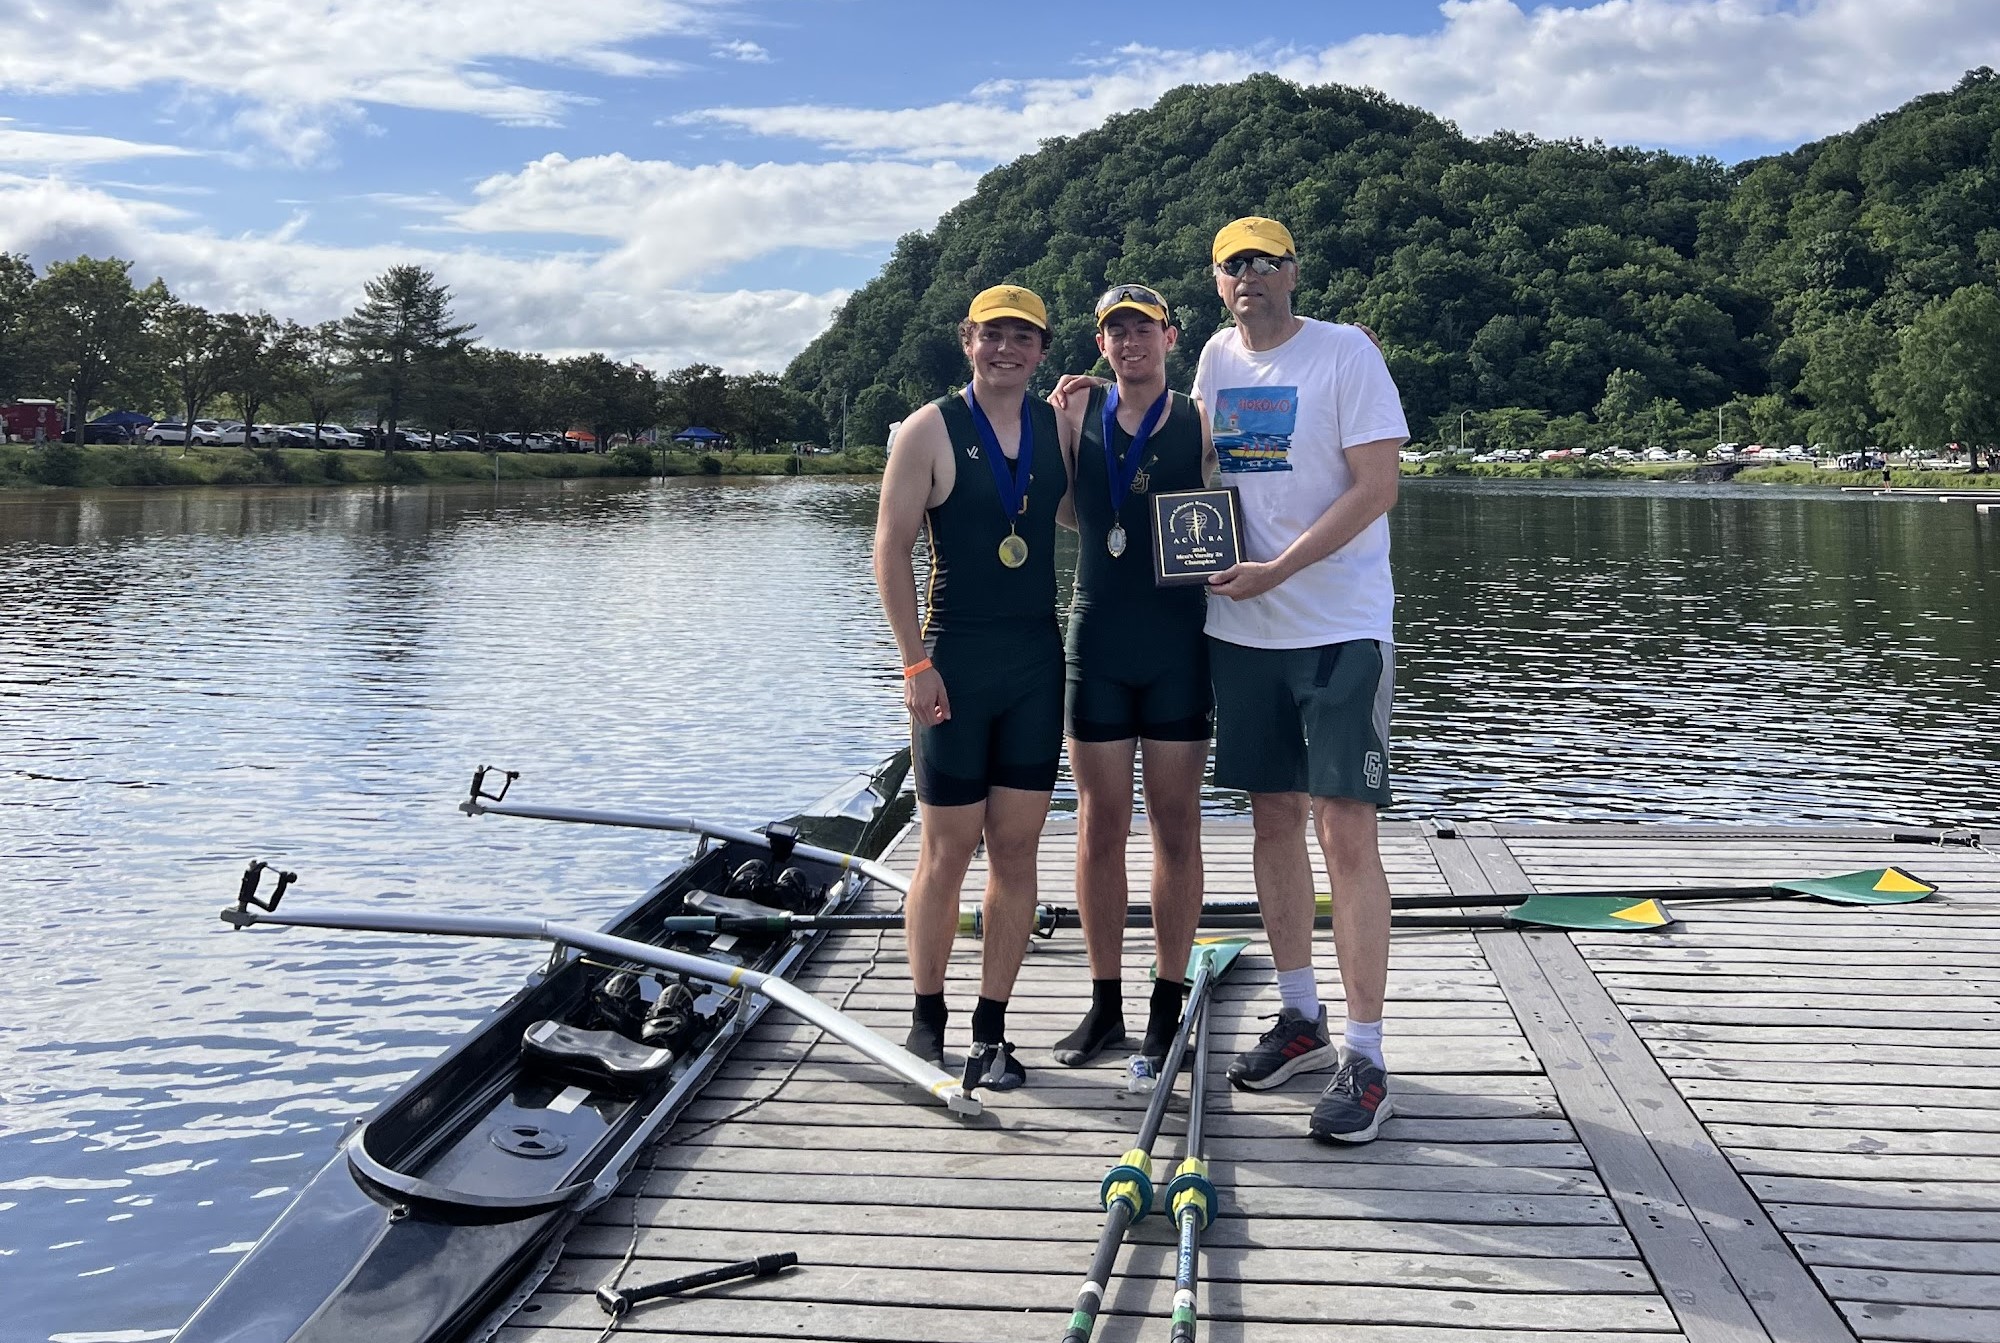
26,468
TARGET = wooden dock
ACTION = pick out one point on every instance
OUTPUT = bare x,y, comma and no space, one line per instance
1774,1122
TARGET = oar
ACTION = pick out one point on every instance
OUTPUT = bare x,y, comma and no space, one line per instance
1127,1191
1190,1196
1569,912
1875,886
482,803
779,990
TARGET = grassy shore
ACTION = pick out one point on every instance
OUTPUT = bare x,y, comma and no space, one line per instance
104,466
23,466
1790,473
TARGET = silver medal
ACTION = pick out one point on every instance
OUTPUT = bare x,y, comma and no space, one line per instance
1115,542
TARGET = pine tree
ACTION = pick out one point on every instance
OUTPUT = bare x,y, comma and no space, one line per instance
402,336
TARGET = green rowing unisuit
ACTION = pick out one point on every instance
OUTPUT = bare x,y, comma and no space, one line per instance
970,587
991,630
1137,660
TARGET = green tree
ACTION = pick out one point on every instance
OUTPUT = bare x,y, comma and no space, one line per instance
17,282
873,412
609,396
1626,396
89,329
325,382
1944,386
400,337
695,396
260,362
192,351
1842,358
515,390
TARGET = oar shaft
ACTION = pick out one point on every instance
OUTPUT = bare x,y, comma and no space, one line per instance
1192,1213
1090,1296
780,991
1119,1214
639,820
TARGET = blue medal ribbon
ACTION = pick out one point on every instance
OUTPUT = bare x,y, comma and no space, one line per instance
1011,477
1123,471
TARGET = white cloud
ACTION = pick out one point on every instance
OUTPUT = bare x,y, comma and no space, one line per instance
676,222
52,149
1660,72
563,303
743,51
302,68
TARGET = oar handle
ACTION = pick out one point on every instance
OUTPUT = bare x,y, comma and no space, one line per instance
616,1303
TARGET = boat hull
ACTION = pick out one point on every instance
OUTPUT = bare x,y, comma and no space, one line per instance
440,1212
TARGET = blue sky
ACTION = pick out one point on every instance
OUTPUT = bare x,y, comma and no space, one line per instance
680,179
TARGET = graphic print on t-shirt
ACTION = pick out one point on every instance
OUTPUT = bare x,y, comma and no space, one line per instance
1253,428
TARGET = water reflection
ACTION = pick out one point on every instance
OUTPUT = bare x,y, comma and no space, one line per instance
191,679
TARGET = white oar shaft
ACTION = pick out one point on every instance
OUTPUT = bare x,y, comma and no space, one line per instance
639,820
780,991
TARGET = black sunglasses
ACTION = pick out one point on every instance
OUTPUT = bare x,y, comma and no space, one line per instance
1260,265
1129,293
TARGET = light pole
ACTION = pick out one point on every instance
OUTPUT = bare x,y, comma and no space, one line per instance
1460,445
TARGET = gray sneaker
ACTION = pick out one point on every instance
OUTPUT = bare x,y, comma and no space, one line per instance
1355,1102
1295,1045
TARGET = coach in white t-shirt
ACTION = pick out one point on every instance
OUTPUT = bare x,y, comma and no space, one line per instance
1306,424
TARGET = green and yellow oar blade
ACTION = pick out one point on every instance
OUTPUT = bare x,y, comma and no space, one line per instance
1590,913
1218,952
1876,886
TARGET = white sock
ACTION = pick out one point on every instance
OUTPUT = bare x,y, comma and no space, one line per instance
1365,1039
1300,991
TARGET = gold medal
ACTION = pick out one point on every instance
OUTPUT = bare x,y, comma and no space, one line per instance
1013,551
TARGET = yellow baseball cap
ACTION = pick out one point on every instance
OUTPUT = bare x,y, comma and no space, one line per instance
1139,298
1009,300
1253,234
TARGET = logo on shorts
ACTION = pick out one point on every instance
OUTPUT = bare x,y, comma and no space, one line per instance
1371,768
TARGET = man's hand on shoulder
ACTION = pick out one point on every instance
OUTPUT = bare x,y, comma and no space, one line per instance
1069,384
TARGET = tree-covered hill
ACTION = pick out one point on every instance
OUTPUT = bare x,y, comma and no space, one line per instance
1556,290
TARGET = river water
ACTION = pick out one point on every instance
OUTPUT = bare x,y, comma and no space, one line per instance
192,679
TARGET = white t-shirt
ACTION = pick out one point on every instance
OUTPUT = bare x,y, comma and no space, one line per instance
1283,421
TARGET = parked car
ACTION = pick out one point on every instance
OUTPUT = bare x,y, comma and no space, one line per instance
1658,455
174,431
235,434
462,442
106,433
329,435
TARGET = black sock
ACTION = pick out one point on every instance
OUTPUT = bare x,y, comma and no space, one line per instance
927,1019
989,1021
1103,1024
1163,1017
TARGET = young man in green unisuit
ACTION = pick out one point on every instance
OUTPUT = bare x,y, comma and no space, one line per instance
980,473
1137,670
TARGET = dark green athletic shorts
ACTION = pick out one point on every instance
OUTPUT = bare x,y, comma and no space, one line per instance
1124,682
1005,688
1304,720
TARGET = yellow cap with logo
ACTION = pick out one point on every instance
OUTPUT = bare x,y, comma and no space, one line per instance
1009,300
1253,234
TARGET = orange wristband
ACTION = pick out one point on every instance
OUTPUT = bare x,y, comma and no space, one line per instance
916,669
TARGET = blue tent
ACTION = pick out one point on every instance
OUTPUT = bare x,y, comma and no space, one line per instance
124,419
697,434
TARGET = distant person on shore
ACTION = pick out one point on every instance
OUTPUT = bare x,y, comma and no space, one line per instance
1138,670
980,472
